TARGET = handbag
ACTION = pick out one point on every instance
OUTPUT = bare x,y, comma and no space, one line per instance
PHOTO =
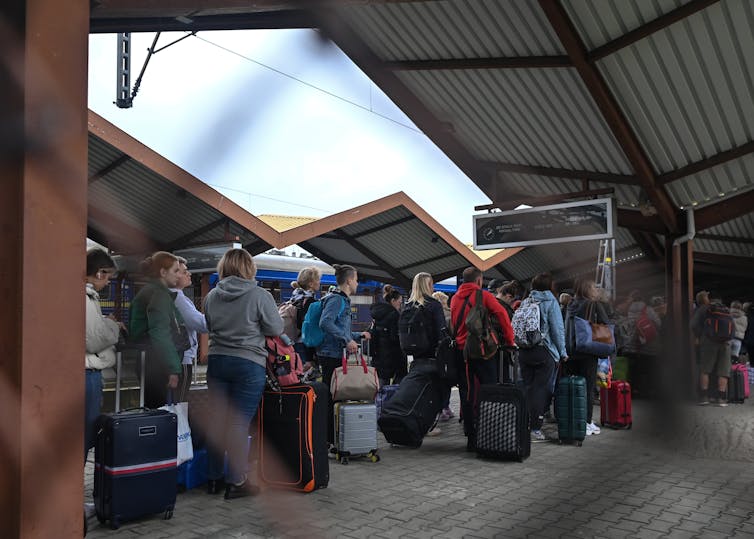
447,354
585,343
600,332
185,446
358,383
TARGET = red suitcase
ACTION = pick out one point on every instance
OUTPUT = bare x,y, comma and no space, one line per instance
615,405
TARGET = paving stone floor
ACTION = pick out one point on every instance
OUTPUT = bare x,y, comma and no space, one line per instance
681,472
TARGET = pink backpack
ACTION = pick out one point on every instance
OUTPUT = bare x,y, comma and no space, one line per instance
283,363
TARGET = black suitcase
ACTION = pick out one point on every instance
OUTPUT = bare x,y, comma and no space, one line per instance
135,460
736,387
412,411
292,438
502,426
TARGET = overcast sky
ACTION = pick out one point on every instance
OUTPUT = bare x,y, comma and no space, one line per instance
314,146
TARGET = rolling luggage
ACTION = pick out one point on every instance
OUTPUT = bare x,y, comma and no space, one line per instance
570,409
412,411
292,426
135,460
502,428
383,395
355,430
615,405
738,384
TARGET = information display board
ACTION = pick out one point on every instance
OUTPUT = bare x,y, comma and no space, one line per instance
557,223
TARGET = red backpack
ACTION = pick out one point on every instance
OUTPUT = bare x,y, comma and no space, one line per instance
283,363
645,328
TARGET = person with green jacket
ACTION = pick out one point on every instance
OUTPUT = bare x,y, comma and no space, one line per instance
154,321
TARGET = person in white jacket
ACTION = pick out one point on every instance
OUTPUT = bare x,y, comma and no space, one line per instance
195,323
102,334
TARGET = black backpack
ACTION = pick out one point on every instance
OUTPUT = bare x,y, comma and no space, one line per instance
413,331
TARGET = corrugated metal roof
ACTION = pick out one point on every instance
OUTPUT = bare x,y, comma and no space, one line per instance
452,29
687,90
714,184
525,116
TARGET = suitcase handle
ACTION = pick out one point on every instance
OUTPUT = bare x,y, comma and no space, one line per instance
362,361
119,368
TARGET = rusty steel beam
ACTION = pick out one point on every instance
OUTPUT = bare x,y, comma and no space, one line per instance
660,23
611,112
355,48
725,210
107,169
43,166
450,64
553,172
549,199
704,164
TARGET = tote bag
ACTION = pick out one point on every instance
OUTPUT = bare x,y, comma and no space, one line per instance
354,382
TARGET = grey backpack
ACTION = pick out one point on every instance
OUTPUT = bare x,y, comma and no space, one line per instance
527,324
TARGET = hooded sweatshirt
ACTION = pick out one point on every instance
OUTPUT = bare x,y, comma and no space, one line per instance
468,290
740,322
553,330
239,315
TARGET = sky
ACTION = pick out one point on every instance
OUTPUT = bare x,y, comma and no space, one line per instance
281,122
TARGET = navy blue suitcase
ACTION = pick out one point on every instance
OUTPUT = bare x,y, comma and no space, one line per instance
135,459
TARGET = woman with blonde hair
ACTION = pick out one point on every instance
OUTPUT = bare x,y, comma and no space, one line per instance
239,315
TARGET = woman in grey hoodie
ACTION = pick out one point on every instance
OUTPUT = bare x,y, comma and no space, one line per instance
239,315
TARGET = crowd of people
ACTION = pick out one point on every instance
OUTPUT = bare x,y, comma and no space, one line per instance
238,315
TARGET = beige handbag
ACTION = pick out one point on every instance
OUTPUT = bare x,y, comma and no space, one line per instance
354,382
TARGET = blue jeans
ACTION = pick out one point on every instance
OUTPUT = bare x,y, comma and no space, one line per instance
92,409
235,390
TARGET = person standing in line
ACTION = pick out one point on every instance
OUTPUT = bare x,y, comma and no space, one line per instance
447,412
584,302
741,323
154,320
239,315
388,358
538,364
303,296
194,322
335,323
475,369
713,356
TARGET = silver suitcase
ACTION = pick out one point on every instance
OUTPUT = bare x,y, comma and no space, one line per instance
355,430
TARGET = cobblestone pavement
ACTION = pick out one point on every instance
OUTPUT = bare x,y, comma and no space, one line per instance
651,481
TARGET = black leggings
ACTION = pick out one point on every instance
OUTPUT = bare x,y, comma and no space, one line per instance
537,367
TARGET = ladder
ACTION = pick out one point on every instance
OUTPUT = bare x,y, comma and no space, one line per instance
605,275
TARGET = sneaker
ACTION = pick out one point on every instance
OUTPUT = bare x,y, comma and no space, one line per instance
538,436
722,403
594,428
434,432
445,416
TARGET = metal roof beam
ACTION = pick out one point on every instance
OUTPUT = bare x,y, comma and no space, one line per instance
726,239
742,263
264,20
520,62
606,177
382,263
649,244
704,164
138,240
725,210
324,257
611,111
426,261
355,48
181,242
635,220
544,200
637,34
108,169
385,225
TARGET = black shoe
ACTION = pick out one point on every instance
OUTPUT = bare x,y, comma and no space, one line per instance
215,486
470,444
240,491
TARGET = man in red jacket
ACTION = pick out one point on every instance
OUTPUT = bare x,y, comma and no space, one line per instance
481,370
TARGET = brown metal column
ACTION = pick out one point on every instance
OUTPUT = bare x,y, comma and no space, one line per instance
679,277
43,172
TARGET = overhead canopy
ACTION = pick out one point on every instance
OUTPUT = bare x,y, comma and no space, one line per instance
139,201
554,98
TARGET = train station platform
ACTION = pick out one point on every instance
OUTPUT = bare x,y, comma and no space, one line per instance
682,472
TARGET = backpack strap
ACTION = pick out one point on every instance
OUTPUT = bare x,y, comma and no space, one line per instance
457,325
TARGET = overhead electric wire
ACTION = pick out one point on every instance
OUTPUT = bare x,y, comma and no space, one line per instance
266,197
310,85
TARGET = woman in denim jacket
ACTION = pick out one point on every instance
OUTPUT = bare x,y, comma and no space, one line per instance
335,323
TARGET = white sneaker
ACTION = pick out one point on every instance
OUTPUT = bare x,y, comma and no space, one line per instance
591,428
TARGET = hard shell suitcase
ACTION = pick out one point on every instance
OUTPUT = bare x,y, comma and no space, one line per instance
355,430
737,386
570,409
615,405
412,411
502,426
135,460
292,426
743,369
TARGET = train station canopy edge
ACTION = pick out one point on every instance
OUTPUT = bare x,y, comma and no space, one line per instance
139,201
551,98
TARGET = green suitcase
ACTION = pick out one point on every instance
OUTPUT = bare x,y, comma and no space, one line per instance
570,408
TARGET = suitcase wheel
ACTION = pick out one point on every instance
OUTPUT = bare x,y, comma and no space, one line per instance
373,456
168,514
579,443
343,460
114,523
